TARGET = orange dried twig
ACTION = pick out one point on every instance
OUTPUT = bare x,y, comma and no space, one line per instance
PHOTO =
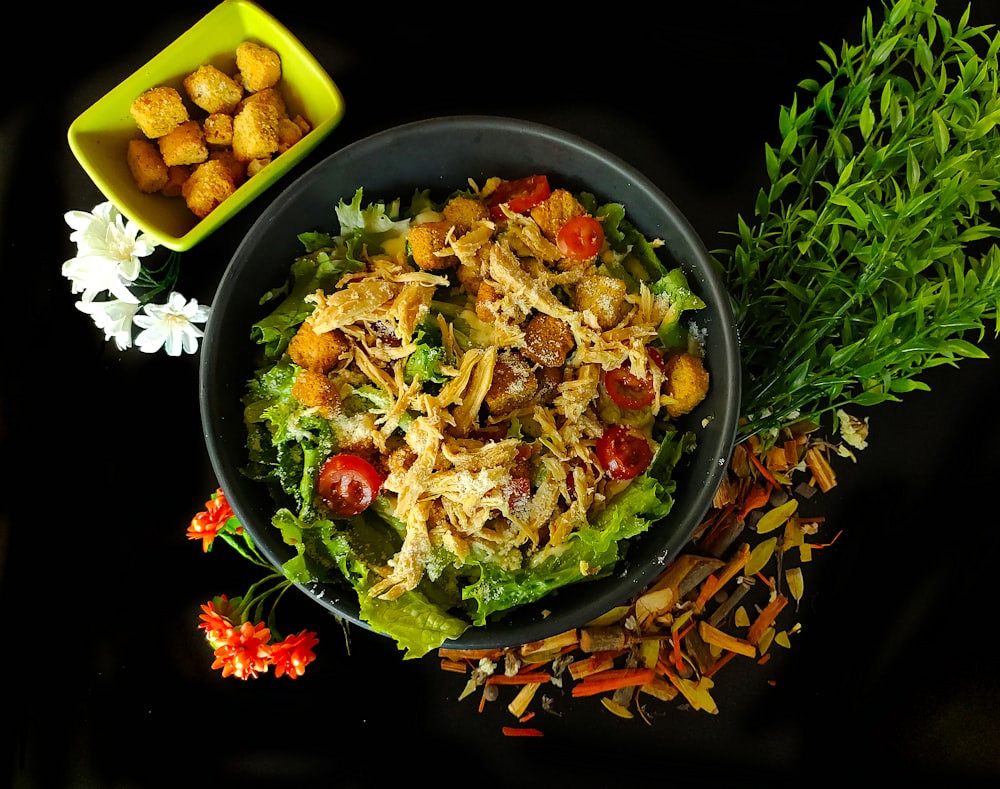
764,471
718,664
456,666
551,644
821,470
519,704
757,497
596,663
766,618
613,679
520,731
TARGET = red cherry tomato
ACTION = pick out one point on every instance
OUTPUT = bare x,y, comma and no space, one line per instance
580,238
627,390
520,195
657,357
623,452
348,484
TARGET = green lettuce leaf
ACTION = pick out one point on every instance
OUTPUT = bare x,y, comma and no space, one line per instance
319,269
369,228
417,624
674,285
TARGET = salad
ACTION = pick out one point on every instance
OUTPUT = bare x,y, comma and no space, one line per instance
465,405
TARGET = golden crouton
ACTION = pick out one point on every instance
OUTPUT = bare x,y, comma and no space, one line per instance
208,185
259,66
147,166
184,145
176,176
547,340
514,383
427,239
271,97
213,90
254,166
464,212
218,129
315,390
255,131
687,383
487,301
237,169
469,277
399,460
318,352
549,379
289,133
555,210
158,111
603,296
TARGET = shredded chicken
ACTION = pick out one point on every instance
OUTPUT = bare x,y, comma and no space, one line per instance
481,461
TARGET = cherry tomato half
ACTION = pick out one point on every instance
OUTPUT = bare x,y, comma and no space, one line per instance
657,357
623,452
520,195
348,484
580,238
627,390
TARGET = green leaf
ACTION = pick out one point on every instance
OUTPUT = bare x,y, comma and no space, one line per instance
965,349
772,163
924,57
913,171
984,126
906,385
788,143
941,135
858,214
898,13
885,49
866,120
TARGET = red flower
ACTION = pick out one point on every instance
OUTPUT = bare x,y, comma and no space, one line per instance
206,525
292,655
245,653
215,621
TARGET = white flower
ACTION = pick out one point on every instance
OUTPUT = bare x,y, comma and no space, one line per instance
108,253
92,275
114,316
105,233
171,326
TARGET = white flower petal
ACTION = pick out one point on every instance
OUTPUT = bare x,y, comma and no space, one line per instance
170,326
114,317
93,275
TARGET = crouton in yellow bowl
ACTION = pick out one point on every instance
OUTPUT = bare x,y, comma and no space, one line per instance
201,130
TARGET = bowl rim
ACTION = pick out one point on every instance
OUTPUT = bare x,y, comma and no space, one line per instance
725,356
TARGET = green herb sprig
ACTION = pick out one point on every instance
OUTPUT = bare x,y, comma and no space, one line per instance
873,257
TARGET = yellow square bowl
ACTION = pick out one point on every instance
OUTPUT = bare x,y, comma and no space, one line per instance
99,136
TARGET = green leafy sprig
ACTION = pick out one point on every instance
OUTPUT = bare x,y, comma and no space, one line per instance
873,257
154,280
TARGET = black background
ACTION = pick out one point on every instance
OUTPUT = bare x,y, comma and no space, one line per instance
106,679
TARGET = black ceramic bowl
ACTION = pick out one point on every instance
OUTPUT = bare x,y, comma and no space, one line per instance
442,154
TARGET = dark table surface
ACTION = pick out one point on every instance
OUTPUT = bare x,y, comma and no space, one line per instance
106,679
